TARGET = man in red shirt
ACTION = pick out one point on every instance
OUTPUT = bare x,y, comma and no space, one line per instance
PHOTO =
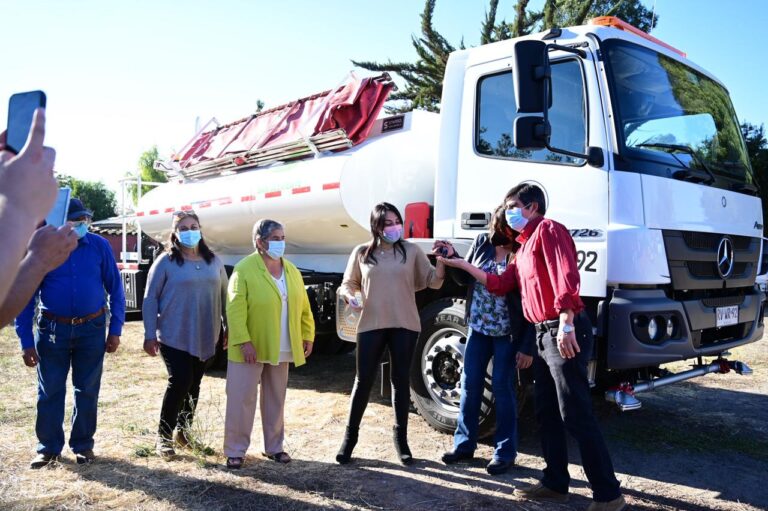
546,272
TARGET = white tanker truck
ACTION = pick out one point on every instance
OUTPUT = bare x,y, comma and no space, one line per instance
637,148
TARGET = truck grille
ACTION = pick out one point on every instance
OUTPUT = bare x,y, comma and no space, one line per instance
710,240
706,270
723,301
692,259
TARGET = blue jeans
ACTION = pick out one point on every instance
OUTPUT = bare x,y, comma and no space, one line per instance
480,349
59,346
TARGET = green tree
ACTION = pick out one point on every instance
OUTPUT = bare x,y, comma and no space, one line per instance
757,147
147,171
424,77
94,194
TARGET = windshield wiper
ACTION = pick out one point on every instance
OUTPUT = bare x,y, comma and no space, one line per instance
750,188
745,188
689,151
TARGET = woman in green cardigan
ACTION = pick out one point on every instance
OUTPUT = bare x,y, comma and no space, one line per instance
271,325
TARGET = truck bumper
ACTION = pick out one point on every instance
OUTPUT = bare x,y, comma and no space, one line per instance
686,329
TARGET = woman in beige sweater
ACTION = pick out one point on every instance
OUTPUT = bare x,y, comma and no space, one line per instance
381,279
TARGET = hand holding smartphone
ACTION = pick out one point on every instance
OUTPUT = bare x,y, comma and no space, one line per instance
21,109
27,178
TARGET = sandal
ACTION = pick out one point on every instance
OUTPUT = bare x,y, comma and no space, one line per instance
235,463
280,457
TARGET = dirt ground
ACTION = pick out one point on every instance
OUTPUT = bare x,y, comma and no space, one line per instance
694,446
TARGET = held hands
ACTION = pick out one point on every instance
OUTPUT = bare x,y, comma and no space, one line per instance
456,262
249,353
30,357
443,249
566,343
152,347
113,341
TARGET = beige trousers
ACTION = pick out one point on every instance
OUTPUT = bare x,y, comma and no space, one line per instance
242,390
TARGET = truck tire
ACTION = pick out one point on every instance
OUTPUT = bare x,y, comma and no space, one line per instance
437,365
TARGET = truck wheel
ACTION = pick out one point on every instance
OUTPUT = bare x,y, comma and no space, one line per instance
437,366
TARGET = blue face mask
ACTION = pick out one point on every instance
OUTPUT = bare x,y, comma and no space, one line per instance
276,249
515,218
190,239
80,228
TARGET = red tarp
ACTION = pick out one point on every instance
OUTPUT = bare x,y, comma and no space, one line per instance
352,107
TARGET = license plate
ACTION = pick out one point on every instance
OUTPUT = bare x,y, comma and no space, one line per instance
727,315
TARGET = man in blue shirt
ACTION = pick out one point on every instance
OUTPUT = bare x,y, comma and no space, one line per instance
71,330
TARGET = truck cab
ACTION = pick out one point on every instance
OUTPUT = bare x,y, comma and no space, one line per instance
641,157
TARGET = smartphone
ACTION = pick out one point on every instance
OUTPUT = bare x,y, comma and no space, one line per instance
21,108
58,214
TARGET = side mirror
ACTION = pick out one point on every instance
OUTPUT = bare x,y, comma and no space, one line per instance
531,133
530,75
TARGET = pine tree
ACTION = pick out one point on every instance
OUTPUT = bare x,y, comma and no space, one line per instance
424,78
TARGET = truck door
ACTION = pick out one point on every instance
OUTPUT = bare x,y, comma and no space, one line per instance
489,164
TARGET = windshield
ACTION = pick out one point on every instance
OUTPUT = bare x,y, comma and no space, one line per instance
672,117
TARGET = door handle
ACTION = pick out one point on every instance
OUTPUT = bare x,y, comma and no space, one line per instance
475,220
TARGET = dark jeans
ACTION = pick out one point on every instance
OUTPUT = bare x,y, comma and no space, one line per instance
184,375
480,349
59,346
370,348
563,403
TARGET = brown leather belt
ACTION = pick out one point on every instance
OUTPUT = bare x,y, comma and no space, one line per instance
73,321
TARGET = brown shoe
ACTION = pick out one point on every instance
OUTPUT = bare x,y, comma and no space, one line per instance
43,460
541,493
616,504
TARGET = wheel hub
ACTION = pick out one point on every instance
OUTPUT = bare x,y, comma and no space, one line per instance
442,364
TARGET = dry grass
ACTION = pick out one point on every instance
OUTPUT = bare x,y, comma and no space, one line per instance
128,475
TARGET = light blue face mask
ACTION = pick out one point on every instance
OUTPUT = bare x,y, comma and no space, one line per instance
190,238
81,229
515,218
276,249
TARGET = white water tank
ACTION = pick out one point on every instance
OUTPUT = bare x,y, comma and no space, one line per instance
324,202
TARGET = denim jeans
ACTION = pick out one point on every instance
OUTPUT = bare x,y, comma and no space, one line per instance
60,346
564,403
480,349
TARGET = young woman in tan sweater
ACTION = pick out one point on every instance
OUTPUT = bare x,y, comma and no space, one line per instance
386,272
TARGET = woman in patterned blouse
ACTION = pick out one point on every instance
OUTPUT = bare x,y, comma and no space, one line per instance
498,330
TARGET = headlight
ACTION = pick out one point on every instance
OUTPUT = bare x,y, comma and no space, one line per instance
653,329
671,327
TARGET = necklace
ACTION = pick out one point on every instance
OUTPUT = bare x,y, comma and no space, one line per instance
197,266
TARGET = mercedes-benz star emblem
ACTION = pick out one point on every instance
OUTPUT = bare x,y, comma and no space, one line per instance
725,257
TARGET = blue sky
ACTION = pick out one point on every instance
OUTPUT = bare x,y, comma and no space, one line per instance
121,77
